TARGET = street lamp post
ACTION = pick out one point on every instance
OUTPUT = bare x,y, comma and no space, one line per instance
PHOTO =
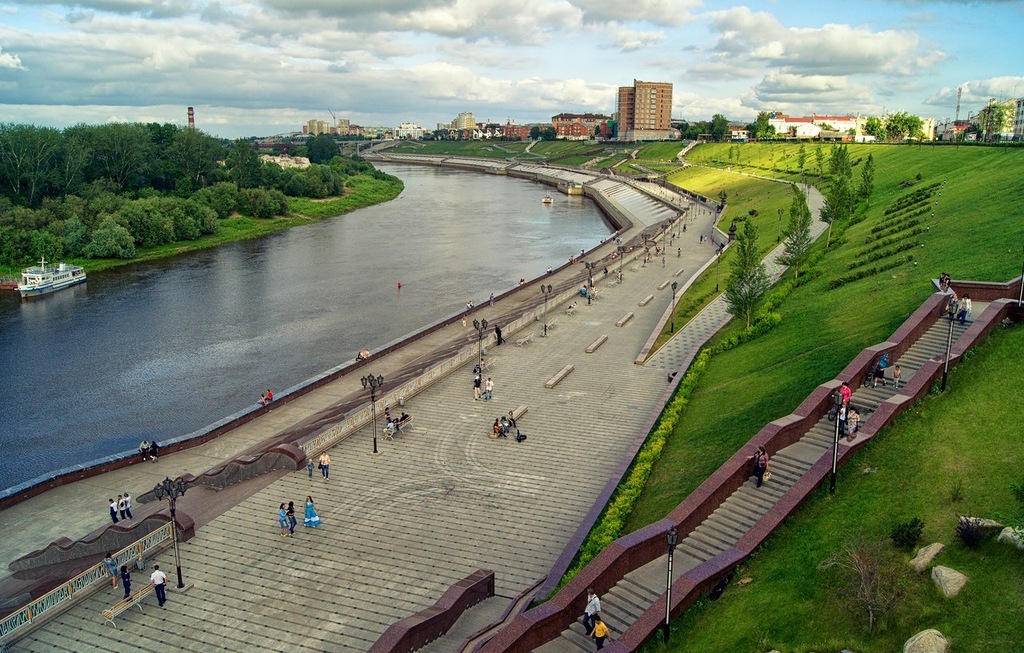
837,397
778,239
671,538
949,345
546,290
718,270
590,279
480,326
373,382
673,328
622,256
172,490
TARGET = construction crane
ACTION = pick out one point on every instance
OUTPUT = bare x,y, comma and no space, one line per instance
333,117
959,89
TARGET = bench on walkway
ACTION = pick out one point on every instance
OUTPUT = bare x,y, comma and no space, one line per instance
677,272
525,340
396,426
597,343
571,310
625,318
556,379
646,300
661,286
519,411
122,605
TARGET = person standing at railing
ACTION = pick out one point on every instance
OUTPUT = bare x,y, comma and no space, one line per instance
126,581
111,565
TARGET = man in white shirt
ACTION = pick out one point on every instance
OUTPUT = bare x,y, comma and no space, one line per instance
592,610
488,389
128,505
159,579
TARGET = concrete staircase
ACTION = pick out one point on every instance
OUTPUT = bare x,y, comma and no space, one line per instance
639,589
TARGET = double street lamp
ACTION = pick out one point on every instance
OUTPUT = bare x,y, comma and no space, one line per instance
546,290
172,490
671,538
480,326
373,382
590,278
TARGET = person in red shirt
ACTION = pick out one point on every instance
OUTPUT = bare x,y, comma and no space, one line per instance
270,396
846,391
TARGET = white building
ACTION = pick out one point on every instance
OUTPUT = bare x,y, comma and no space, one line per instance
409,130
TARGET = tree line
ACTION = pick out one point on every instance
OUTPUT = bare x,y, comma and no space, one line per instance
101,191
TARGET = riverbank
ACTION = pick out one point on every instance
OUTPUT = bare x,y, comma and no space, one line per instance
362,191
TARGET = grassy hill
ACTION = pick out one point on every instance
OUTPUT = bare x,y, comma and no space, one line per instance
969,223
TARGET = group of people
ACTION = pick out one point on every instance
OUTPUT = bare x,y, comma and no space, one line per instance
121,508
149,450
393,425
287,520
846,414
958,308
878,375
323,464
503,426
158,578
266,397
592,623
482,389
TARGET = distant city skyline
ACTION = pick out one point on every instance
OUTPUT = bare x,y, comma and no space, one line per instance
262,67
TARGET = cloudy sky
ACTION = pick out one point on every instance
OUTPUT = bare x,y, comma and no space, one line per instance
260,67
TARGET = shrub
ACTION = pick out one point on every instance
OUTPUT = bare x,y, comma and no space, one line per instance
968,529
907,534
956,491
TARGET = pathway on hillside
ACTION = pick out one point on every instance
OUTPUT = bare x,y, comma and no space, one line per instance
639,589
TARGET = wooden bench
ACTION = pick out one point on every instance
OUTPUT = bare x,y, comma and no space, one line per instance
646,300
556,379
625,318
661,286
551,324
519,411
122,605
389,430
525,340
597,343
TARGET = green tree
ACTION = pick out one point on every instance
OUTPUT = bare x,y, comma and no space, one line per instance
719,127
819,158
801,157
798,233
875,127
29,158
121,153
867,179
901,125
195,155
839,196
749,281
243,164
761,129
322,148
222,198
111,240
534,133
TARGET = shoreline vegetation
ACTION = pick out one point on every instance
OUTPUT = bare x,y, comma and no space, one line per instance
101,196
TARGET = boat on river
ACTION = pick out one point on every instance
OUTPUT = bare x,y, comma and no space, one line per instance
43,281
547,199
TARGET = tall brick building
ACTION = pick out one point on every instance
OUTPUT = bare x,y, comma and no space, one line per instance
645,111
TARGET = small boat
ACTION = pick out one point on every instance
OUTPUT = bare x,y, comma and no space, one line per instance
547,199
42,280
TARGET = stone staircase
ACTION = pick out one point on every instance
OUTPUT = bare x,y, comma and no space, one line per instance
640,588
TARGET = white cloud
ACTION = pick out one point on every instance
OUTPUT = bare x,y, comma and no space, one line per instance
8,60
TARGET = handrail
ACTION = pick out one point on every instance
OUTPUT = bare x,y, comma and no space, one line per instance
18,623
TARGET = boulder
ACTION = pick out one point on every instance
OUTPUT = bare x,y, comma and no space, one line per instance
925,555
1010,536
988,527
949,581
927,641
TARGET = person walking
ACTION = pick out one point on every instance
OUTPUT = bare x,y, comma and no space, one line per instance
159,580
126,581
309,467
325,465
497,333
897,374
488,389
292,522
599,633
128,505
592,611
111,565
113,511
760,459
476,387
965,309
282,520
311,519
120,507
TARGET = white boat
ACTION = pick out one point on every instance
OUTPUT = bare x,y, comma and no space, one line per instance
42,280
547,199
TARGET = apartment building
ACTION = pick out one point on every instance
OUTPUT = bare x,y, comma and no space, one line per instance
581,126
644,111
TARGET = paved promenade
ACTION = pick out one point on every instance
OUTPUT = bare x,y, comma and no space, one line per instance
439,502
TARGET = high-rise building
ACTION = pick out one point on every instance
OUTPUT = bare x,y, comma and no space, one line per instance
464,121
645,111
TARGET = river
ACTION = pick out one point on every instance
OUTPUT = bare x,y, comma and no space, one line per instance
162,349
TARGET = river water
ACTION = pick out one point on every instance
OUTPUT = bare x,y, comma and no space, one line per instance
162,349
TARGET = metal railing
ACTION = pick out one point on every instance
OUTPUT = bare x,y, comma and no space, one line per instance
18,623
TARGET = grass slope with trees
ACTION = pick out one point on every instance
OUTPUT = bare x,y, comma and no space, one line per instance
968,217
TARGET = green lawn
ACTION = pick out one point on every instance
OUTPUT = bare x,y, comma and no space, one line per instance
975,233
